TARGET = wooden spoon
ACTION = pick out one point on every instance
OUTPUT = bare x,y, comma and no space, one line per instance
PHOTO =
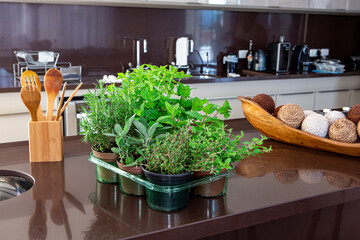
55,212
30,95
30,77
52,82
37,222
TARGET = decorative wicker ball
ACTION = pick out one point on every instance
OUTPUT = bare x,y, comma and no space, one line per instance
315,124
354,114
265,101
275,113
337,180
334,115
343,130
286,176
291,114
308,112
311,176
358,128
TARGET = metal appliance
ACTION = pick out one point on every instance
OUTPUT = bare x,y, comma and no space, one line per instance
353,63
279,56
73,115
184,46
259,62
300,58
231,61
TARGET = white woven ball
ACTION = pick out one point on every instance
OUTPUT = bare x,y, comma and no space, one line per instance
311,176
315,124
334,115
308,112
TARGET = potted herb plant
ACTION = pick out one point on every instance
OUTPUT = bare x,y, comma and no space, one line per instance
130,151
167,164
103,108
214,150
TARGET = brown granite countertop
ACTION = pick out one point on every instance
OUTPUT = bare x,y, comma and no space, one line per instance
7,83
67,202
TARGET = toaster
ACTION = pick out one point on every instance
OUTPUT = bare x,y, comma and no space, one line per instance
279,56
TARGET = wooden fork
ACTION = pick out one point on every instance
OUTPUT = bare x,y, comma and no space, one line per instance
31,78
30,95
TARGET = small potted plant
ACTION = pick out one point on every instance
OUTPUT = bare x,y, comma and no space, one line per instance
130,151
214,150
104,107
167,164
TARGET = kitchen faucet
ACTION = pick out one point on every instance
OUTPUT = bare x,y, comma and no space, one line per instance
202,62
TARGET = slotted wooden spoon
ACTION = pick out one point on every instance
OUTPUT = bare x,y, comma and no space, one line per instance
30,77
52,82
30,95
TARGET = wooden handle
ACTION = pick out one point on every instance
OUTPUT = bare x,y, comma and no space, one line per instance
61,102
49,108
71,97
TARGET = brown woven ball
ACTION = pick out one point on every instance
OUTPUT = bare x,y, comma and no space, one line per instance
358,128
265,101
286,176
275,113
354,114
337,180
291,114
343,130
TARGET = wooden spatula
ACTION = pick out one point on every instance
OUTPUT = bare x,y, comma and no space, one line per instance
30,95
30,77
52,82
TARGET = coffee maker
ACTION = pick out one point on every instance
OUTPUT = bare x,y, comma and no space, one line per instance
231,61
279,56
300,58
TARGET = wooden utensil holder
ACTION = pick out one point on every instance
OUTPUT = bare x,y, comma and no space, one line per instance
46,141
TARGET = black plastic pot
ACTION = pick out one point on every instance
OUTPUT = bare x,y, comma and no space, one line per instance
171,201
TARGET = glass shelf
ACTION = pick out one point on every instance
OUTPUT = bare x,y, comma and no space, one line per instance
155,187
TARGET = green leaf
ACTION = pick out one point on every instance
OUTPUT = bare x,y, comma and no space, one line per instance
115,150
210,108
151,114
198,103
183,90
225,109
165,119
142,129
152,129
118,129
110,134
129,159
128,125
194,114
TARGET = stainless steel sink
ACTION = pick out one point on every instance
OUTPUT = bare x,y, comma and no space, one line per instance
203,76
14,183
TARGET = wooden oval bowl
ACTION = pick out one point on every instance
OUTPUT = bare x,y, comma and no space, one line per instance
275,129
